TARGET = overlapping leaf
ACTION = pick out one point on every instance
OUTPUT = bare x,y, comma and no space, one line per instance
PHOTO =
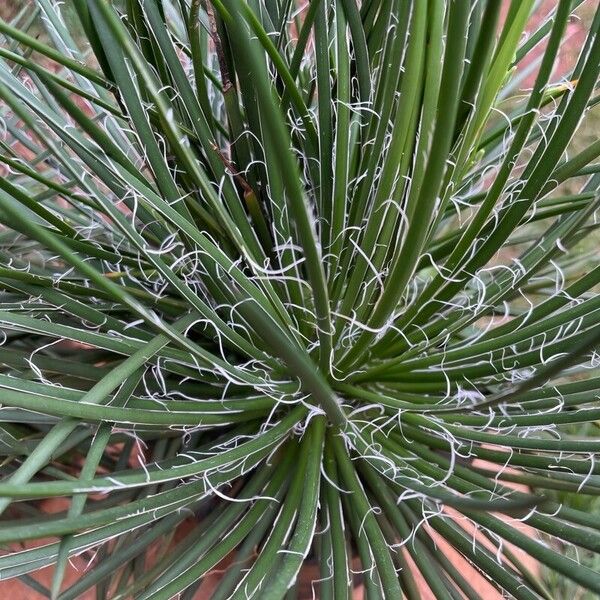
308,279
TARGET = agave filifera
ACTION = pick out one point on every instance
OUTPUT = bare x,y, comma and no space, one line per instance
318,261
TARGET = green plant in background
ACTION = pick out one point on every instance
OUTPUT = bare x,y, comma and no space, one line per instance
313,260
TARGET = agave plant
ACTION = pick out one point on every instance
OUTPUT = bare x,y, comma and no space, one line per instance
297,287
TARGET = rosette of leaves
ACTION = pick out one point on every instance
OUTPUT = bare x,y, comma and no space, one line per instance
307,283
